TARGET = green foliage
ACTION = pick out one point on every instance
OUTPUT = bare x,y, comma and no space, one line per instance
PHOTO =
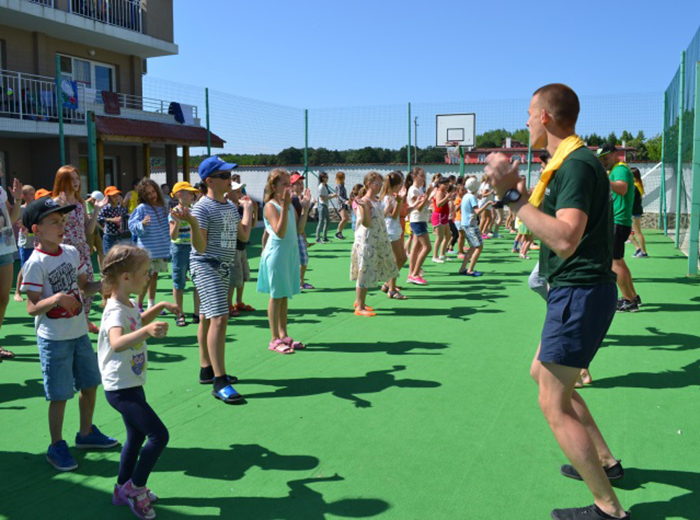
647,149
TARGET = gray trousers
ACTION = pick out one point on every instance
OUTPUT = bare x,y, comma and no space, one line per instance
323,218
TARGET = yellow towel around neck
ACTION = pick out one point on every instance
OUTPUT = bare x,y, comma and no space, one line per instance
568,145
639,186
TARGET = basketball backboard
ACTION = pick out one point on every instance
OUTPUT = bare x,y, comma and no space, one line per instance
455,130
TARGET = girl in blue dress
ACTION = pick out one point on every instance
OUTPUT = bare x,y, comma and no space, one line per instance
280,264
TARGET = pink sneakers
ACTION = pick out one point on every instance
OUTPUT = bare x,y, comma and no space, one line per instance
138,500
117,499
418,280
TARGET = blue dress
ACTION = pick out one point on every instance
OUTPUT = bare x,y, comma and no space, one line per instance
279,265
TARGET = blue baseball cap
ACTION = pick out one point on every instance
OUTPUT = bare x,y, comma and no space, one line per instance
214,164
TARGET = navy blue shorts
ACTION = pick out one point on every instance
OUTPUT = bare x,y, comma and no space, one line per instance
578,318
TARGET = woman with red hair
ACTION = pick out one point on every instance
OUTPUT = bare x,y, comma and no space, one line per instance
66,190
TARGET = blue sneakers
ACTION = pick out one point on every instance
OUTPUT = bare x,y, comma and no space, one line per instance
95,440
60,458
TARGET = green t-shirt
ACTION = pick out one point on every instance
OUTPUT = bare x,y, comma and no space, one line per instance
622,204
581,183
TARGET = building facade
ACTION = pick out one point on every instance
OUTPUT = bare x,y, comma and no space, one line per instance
82,61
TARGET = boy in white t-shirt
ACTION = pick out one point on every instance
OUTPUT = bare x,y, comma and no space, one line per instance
54,277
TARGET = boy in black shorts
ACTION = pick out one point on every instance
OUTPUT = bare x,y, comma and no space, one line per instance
574,224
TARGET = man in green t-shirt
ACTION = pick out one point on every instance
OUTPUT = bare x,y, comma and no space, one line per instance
622,184
570,212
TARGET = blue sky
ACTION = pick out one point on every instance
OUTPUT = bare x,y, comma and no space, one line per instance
337,53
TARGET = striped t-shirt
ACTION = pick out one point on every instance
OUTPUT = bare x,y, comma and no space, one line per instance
220,220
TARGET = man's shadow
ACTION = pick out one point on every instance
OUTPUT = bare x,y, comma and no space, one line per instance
231,464
396,348
342,387
300,503
685,506
688,375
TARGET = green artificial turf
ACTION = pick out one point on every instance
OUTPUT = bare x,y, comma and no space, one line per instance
426,411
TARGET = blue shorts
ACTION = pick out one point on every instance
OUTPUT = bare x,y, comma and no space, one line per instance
419,228
7,259
67,366
303,250
578,318
24,254
180,254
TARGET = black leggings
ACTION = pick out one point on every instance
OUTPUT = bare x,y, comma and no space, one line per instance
141,422
455,233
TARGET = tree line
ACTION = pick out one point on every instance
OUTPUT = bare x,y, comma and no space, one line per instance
647,150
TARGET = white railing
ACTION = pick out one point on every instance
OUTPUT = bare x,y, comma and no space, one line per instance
120,13
149,104
31,97
45,3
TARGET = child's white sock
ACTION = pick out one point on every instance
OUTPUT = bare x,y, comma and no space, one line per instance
151,302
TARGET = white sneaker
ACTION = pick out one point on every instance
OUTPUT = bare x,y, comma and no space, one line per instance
444,259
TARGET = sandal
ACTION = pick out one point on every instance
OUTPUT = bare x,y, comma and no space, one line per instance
232,312
243,307
181,321
228,395
396,295
296,345
6,354
93,328
367,307
367,313
385,288
280,347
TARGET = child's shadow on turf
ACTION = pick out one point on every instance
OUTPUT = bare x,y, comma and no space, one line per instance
301,503
397,348
688,375
683,506
342,387
231,464
658,340
15,391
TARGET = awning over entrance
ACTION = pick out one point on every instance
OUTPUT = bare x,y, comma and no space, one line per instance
119,129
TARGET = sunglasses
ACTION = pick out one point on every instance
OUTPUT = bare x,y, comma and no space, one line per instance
221,175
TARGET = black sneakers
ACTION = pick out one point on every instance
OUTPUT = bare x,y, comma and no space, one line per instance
339,236
592,512
638,301
624,305
614,472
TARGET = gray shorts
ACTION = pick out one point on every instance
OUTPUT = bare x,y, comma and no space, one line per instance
240,269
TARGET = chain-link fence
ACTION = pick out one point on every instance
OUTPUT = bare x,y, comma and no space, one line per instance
681,203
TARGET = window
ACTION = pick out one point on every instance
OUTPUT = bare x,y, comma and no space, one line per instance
91,74
481,158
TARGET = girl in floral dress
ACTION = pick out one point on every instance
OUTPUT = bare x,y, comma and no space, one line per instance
372,259
66,190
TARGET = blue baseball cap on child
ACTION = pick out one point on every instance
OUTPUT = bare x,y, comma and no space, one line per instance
214,164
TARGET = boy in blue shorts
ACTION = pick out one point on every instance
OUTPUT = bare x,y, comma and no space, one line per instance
53,280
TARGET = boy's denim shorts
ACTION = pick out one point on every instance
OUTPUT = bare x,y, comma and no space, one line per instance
181,264
68,366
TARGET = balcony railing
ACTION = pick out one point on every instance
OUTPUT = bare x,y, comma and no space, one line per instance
33,98
120,13
45,3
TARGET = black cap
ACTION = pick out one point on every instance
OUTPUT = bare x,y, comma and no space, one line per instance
606,149
37,210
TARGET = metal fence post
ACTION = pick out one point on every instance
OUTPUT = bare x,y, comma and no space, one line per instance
408,148
59,107
462,158
306,148
663,221
92,151
695,193
206,96
679,170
